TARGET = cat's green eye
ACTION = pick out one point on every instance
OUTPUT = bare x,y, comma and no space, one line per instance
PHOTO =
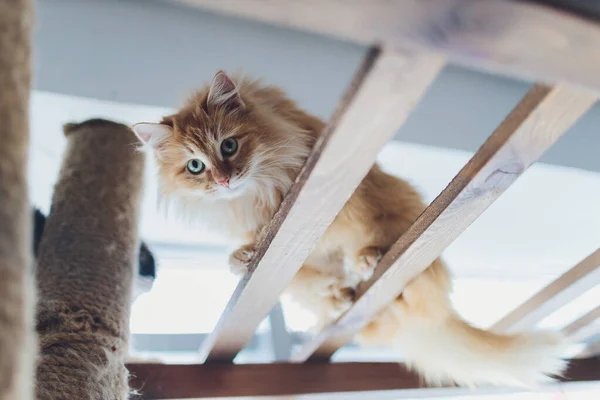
195,167
228,147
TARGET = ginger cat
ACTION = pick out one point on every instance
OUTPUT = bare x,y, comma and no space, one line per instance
229,156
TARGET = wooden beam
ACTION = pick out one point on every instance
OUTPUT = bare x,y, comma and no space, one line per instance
529,41
541,117
582,323
160,381
567,287
385,90
156,381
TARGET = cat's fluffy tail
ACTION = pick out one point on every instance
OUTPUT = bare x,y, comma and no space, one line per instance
449,349
455,350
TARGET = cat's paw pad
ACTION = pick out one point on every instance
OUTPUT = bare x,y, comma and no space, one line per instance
239,260
367,261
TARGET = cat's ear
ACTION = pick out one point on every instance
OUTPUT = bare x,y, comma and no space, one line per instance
151,134
223,92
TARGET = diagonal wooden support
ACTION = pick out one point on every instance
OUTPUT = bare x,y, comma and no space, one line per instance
385,90
575,328
541,117
557,294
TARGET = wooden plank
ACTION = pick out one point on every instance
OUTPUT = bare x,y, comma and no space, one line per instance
160,381
385,90
581,323
541,117
557,294
530,41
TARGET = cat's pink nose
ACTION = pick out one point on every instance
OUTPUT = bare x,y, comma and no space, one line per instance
224,181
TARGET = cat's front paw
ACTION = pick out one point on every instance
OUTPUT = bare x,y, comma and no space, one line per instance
367,261
239,259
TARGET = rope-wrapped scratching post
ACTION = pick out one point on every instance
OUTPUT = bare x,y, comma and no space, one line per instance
16,285
87,258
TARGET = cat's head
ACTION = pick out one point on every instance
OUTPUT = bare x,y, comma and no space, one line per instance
221,146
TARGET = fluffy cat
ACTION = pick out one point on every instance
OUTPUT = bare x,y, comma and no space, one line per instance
230,155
